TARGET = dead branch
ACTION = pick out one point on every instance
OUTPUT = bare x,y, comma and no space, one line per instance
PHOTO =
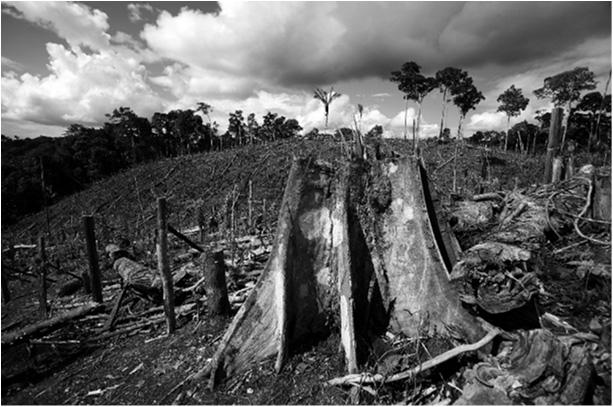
368,378
588,203
514,214
442,165
184,238
490,196
49,324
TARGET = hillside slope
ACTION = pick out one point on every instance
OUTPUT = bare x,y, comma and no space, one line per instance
124,205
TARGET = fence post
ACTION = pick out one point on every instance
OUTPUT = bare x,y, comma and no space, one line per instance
92,257
553,144
164,266
42,279
250,202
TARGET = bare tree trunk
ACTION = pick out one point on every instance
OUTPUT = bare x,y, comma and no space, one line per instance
42,279
164,266
602,105
418,125
506,135
565,128
440,133
406,113
460,130
326,107
553,143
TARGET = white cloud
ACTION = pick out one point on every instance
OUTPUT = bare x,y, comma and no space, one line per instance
136,11
81,88
76,23
261,56
487,121
9,64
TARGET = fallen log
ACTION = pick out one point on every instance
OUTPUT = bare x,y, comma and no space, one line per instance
50,324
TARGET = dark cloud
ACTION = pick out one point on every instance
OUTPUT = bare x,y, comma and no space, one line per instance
512,33
379,38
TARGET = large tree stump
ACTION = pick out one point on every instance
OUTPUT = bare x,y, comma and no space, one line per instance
329,262
214,271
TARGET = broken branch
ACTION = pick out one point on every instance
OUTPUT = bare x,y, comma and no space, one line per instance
368,378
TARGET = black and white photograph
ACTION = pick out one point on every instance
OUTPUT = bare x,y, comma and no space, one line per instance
306,202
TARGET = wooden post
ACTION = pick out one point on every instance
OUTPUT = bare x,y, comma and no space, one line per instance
214,271
553,144
44,193
570,167
92,256
42,279
164,266
250,203
556,172
6,294
601,203
264,211
201,224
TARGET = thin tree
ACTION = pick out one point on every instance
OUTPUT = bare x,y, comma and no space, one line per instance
360,112
466,99
565,89
449,80
206,109
512,102
415,87
326,98
602,106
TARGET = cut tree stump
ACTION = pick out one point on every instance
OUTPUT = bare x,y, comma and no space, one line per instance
214,271
326,255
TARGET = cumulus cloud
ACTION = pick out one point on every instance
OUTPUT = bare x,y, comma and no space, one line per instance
81,88
312,43
77,23
261,56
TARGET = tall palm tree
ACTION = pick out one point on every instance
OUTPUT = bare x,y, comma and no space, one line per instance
326,98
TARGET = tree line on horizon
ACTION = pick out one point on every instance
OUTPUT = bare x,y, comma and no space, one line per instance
584,113
85,154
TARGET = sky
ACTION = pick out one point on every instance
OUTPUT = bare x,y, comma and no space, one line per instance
74,62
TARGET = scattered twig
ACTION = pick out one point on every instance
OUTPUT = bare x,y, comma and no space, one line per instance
558,322
369,378
514,214
442,165
558,251
195,286
588,203
490,196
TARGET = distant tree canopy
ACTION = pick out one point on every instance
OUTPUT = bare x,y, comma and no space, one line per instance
415,87
84,155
